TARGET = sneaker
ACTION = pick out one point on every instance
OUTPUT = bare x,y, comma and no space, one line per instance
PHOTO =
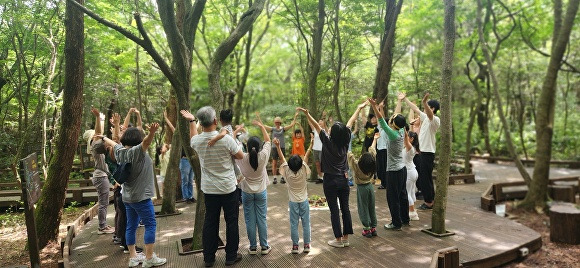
392,227
107,230
413,216
424,207
116,241
238,258
335,243
319,181
374,231
137,249
141,224
154,261
253,250
266,250
367,233
275,181
282,180
137,260
345,242
306,248
295,249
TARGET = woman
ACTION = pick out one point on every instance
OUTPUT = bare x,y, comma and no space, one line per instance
335,183
138,190
254,195
278,133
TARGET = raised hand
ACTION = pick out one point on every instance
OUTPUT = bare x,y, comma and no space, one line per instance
426,97
276,142
132,110
153,127
364,104
300,109
372,101
95,111
187,115
257,123
116,119
401,96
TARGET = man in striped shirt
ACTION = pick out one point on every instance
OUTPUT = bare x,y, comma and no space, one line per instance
218,183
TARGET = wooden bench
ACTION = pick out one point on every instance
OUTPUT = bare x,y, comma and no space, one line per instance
455,179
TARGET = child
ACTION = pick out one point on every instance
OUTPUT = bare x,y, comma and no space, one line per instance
409,152
298,142
296,172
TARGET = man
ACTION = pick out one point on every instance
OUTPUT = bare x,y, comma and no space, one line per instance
218,183
429,125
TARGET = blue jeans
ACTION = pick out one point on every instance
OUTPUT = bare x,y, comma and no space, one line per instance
255,209
186,178
299,211
141,210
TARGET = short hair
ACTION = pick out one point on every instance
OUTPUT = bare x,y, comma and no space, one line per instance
132,137
295,163
370,116
297,131
367,164
340,135
206,116
434,104
226,116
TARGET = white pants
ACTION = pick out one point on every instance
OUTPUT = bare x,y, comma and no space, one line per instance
412,176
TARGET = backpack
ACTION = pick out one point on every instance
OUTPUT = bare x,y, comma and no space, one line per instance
122,173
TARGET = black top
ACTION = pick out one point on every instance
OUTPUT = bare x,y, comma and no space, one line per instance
370,131
333,159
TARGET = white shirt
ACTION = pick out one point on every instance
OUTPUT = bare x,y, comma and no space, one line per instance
382,140
427,133
297,190
255,181
217,169
317,146
408,157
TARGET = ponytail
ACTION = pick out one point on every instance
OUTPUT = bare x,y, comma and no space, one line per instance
254,144
254,158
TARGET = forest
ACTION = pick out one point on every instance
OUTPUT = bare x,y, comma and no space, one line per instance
514,68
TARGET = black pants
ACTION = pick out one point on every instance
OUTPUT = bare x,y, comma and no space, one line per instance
120,216
213,205
397,196
336,187
382,166
425,181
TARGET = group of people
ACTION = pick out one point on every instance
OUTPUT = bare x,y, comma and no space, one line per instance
399,154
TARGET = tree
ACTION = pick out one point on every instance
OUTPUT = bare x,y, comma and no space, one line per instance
51,202
537,194
438,218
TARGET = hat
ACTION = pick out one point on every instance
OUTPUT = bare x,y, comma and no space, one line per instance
278,120
98,146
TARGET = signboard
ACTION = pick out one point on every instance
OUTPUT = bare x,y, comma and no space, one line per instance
30,178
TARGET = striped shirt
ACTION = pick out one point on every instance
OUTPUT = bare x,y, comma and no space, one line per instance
217,169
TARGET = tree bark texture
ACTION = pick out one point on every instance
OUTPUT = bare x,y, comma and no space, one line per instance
509,143
314,69
338,67
537,195
385,63
438,218
51,202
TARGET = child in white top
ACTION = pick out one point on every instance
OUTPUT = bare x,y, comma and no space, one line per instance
409,151
296,172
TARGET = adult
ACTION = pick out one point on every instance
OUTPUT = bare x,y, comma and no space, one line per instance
335,185
278,133
138,190
427,143
254,194
218,184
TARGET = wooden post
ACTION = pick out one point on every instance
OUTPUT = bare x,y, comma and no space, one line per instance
564,222
30,194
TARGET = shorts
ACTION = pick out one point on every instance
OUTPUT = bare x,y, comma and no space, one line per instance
274,153
316,155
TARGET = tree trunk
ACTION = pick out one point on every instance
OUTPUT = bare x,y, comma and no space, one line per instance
338,67
509,143
537,195
51,202
438,218
172,176
385,63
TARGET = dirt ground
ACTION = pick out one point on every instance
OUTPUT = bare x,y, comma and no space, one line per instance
13,235
551,254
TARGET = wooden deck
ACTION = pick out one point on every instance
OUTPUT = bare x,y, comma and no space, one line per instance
483,239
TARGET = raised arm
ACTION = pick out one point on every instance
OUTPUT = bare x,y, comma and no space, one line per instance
169,124
354,116
373,147
373,103
400,98
97,115
139,120
149,138
217,137
280,154
192,122
412,105
128,118
286,128
305,159
268,128
265,134
407,143
426,107
116,128
391,134
311,119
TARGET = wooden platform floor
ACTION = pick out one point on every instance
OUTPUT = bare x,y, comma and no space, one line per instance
480,236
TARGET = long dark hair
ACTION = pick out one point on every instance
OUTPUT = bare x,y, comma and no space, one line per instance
340,135
254,144
415,142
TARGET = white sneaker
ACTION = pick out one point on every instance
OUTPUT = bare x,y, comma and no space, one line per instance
335,243
345,242
137,260
154,261
413,216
